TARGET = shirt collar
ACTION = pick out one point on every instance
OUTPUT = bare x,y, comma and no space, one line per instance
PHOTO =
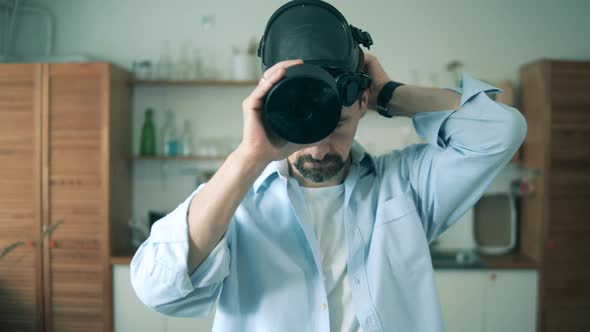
470,87
280,168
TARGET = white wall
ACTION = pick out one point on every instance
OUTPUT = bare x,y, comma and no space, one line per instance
414,40
493,38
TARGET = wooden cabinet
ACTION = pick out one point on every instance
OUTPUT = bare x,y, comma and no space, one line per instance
20,197
488,301
64,156
555,223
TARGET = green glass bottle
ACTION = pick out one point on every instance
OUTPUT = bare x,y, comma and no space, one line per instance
148,135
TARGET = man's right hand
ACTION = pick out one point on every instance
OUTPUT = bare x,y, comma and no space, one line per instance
258,142
212,208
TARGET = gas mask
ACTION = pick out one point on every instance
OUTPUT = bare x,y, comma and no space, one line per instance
304,107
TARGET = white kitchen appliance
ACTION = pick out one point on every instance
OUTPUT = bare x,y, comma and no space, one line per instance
458,237
490,227
495,227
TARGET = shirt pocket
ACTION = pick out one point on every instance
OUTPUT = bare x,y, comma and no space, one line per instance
399,235
395,209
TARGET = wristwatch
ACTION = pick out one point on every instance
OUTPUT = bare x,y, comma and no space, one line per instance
385,96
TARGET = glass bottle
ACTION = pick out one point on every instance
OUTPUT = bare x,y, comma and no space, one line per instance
186,140
182,70
165,63
197,65
148,135
169,137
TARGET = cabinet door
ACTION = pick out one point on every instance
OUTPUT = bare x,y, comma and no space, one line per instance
129,313
175,324
20,198
77,282
511,301
132,315
462,295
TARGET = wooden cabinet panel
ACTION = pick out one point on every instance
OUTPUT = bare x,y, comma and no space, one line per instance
18,291
555,227
566,275
76,196
535,152
571,116
57,163
570,82
567,248
568,184
121,147
20,198
566,272
566,318
570,149
573,215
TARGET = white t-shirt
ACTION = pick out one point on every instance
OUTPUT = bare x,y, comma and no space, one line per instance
325,207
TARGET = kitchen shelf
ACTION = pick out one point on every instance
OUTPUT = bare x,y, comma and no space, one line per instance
196,82
189,158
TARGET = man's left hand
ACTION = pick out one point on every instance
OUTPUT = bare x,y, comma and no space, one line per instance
374,69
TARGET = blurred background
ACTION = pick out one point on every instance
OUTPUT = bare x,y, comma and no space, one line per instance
112,112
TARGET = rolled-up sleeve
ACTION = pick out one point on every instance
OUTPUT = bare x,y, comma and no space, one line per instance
467,148
159,269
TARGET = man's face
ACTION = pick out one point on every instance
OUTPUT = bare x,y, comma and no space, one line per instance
329,158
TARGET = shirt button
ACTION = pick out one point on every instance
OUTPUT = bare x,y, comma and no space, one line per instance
357,281
323,306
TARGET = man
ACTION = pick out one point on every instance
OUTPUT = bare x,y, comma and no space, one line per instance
325,237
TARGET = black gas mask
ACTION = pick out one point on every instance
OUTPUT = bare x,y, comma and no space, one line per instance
304,107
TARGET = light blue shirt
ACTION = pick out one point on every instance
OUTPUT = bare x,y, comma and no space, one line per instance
266,270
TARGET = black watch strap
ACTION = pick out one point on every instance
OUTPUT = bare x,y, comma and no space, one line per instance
385,96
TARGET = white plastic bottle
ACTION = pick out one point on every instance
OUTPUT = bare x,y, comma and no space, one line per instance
186,140
169,144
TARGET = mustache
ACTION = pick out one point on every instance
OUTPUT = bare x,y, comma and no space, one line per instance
325,169
329,158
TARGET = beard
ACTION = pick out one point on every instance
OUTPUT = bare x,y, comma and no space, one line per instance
322,170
